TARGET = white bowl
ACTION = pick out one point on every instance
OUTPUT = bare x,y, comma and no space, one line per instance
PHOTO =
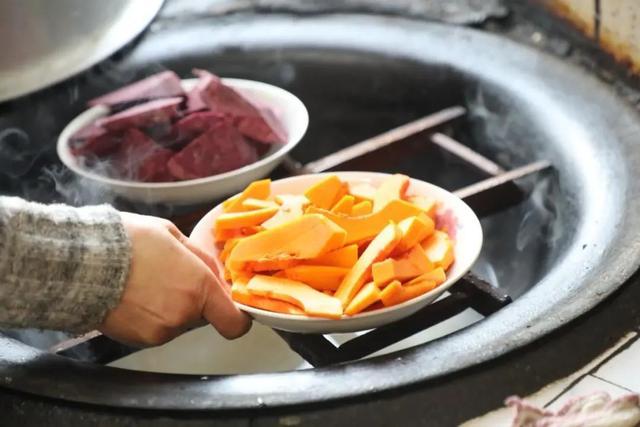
468,242
287,107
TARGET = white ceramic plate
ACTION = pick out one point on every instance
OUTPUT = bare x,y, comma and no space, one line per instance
461,219
287,107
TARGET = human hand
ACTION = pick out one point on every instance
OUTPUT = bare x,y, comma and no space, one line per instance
172,285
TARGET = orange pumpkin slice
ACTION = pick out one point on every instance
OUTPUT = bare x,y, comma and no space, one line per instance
344,205
363,208
414,230
363,228
244,219
439,249
303,238
320,277
256,190
325,192
369,294
241,294
362,191
392,188
378,249
291,207
226,250
313,302
222,235
436,275
410,265
252,203
428,205
344,257
395,293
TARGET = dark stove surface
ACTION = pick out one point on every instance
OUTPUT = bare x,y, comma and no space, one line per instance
445,401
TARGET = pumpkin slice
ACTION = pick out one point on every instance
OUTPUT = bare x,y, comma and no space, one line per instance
320,277
226,250
436,275
325,192
392,188
344,205
313,302
231,200
429,205
378,249
395,293
414,230
410,265
375,306
439,249
368,295
363,228
303,238
244,219
291,207
363,208
344,257
227,275
222,235
252,203
256,190
240,294
362,191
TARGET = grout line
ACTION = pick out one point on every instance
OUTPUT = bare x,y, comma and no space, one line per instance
612,383
615,353
566,389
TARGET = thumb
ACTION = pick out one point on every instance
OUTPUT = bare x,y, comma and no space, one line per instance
222,313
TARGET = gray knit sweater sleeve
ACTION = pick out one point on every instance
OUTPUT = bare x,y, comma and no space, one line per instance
61,267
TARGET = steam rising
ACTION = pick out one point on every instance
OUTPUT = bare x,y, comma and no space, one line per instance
17,153
540,220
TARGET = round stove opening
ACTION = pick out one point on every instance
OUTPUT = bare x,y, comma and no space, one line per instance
561,250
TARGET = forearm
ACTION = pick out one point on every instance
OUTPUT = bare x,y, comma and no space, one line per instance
61,268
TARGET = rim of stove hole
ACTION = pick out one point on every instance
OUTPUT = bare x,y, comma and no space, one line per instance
27,369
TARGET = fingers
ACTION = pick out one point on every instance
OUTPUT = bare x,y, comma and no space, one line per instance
221,312
206,258
165,298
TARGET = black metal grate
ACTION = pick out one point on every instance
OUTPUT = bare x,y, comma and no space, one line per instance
495,193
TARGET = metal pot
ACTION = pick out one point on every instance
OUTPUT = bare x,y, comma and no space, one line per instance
44,42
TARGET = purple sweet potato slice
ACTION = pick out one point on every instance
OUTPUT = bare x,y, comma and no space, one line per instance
154,167
220,149
266,128
141,159
194,96
95,141
195,124
145,115
222,99
162,85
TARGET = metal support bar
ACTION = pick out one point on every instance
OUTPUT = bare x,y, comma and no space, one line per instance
377,142
467,154
467,292
499,192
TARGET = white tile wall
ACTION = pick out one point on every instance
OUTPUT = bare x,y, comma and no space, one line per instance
624,368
